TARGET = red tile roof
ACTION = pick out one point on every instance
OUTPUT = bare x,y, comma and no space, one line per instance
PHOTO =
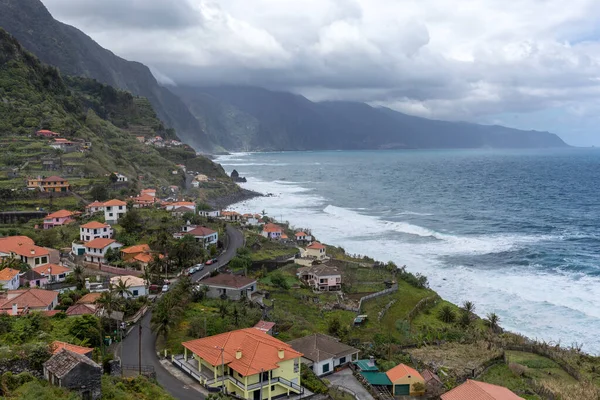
8,273
139,248
264,326
400,371
99,243
56,346
228,280
475,390
95,204
22,245
114,202
144,198
59,214
81,309
55,269
271,228
95,225
200,231
54,179
316,245
89,298
300,234
259,351
33,298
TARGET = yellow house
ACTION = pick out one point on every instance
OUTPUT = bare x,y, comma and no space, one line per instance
316,250
403,380
244,362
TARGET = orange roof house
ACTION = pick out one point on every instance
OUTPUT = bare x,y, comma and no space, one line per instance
29,299
95,225
144,200
149,192
57,346
55,269
9,279
55,184
246,351
95,206
316,246
25,249
403,379
475,390
114,203
89,298
272,231
46,133
128,253
58,218
99,243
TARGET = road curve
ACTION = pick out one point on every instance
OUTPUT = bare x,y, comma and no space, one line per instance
130,344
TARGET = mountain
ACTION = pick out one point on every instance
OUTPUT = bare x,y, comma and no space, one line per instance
250,118
75,53
36,96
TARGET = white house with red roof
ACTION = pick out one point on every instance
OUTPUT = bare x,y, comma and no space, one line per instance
63,144
190,205
113,210
316,250
94,207
232,216
143,201
58,218
95,250
54,272
24,248
272,231
94,230
202,234
9,279
302,237
21,301
47,133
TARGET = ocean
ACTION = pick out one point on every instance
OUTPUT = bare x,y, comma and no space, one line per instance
516,232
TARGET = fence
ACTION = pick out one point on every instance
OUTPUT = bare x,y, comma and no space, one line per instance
343,389
546,352
378,294
421,305
137,316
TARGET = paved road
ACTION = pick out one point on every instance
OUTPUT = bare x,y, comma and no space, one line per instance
130,344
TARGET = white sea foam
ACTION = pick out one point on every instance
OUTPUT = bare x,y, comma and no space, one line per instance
414,213
551,306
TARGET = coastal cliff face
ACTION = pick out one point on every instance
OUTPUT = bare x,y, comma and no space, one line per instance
250,118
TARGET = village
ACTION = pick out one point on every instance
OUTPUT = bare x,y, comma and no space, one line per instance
250,307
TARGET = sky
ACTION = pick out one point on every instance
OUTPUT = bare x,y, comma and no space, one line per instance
529,64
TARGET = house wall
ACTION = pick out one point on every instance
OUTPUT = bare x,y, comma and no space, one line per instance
36,261
214,292
84,378
409,381
98,254
323,367
318,253
11,284
141,291
87,235
113,213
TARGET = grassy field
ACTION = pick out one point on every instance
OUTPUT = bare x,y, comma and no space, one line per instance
501,375
539,367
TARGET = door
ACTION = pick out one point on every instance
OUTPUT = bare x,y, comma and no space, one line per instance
256,395
402,390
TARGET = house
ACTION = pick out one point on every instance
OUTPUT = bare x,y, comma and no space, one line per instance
137,286
143,201
33,279
63,145
58,218
200,233
57,346
113,210
81,309
247,363
209,213
403,379
129,253
317,251
475,390
95,250
53,272
265,326
229,286
95,230
195,184
231,216
75,372
50,184
94,207
9,279
120,177
47,133
32,299
23,248
140,139
190,205
272,231
179,212
149,192
323,353
322,278
302,237
254,220
201,178
90,298
433,384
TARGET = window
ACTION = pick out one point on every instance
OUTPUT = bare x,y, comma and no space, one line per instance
342,360
37,261
44,260
325,367
110,214
272,388
135,292
297,365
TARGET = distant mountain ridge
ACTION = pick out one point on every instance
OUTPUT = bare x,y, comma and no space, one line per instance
75,53
251,118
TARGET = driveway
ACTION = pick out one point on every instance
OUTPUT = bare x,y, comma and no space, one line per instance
174,386
344,378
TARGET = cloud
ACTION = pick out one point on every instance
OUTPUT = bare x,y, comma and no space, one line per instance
481,61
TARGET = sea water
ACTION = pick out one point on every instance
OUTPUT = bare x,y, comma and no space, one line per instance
516,232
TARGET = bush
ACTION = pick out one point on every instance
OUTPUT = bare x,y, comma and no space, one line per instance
447,315
311,381
278,280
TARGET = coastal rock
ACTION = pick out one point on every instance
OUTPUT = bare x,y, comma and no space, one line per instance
236,177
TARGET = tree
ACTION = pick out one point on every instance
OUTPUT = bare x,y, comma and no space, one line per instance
99,193
113,178
112,255
447,315
122,289
493,321
132,222
468,306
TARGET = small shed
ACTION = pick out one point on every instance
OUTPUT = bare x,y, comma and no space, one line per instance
403,379
360,319
75,372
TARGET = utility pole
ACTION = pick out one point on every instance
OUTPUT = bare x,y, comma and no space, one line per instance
140,349
121,346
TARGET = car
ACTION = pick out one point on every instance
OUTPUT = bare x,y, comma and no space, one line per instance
165,288
209,262
191,270
198,267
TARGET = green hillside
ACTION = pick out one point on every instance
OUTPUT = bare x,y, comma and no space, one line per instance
35,96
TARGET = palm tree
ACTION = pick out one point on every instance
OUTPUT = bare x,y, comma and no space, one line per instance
447,315
493,321
165,315
78,275
122,289
107,303
469,307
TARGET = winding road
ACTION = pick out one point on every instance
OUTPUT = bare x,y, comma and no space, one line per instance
130,344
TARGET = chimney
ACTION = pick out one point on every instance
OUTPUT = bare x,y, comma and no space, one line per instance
238,353
281,354
32,251
15,309
371,361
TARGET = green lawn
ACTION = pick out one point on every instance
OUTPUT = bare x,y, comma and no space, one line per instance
501,375
539,367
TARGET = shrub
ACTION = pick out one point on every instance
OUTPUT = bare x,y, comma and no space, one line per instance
311,381
277,279
447,315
